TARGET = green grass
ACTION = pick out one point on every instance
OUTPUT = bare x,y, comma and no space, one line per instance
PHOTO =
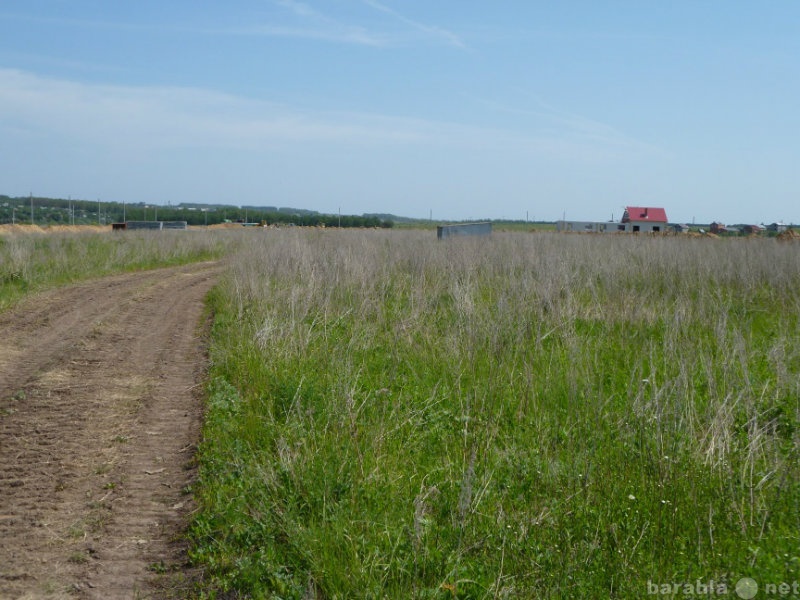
521,416
527,416
31,262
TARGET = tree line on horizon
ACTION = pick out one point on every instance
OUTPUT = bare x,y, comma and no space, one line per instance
60,211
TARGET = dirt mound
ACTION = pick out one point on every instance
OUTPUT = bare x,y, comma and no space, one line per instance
788,235
22,229
225,226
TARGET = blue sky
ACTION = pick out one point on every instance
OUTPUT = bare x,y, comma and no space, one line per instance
460,109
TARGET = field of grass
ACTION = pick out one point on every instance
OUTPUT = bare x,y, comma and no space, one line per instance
33,261
517,417
522,416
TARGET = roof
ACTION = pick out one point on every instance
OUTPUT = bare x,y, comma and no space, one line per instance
644,213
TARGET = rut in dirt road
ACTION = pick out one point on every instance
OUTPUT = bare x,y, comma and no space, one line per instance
99,420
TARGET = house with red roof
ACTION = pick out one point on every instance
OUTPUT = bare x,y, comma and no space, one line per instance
645,218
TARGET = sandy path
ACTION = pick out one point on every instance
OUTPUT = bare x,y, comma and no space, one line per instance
99,417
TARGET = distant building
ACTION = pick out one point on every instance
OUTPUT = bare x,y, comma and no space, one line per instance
776,227
752,229
635,219
645,218
463,229
149,225
592,226
680,228
175,225
717,228
152,225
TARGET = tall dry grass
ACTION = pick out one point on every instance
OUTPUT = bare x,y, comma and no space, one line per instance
524,416
31,261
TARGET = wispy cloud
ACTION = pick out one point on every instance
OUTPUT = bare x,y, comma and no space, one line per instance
90,23
58,62
141,119
319,25
346,35
177,117
292,19
556,122
306,23
299,8
432,31
148,141
310,23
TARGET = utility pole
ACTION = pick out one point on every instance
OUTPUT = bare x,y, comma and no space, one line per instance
123,210
98,212
31,208
340,217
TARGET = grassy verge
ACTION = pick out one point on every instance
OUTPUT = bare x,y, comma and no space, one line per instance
528,416
31,262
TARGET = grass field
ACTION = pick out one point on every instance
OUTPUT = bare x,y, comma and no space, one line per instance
531,415
32,258
526,416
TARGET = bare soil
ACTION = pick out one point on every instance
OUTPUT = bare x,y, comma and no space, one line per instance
100,415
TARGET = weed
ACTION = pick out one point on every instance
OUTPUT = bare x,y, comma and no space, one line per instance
103,469
158,567
78,558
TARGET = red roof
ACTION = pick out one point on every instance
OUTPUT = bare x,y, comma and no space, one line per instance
644,213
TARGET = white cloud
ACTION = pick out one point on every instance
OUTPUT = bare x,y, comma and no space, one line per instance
132,119
299,8
346,35
440,33
569,126
307,24
321,26
167,116
295,19
315,25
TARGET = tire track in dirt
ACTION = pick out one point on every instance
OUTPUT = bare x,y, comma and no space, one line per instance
99,417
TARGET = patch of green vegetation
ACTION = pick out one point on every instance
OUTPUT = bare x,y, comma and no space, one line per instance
526,416
78,558
35,261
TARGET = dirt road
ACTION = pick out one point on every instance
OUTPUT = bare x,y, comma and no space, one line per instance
99,420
